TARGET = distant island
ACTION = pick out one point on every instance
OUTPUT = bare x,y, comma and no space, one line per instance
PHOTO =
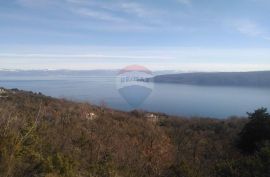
254,79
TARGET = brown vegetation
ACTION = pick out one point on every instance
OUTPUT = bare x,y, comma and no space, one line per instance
42,136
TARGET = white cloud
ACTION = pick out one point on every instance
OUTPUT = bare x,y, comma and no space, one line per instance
135,8
249,28
185,59
36,3
99,15
267,38
185,2
122,6
133,16
87,56
123,15
131,8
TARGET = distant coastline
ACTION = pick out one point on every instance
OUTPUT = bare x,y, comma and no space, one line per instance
252,79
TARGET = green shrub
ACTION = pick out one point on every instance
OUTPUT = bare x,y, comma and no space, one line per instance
255,132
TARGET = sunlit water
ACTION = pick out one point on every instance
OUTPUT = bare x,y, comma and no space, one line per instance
173,99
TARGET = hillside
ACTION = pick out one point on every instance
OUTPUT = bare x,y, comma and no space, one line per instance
43,136
254,79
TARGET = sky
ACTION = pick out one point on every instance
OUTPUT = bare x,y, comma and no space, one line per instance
183,35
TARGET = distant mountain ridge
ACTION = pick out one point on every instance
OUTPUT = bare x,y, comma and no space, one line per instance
255,79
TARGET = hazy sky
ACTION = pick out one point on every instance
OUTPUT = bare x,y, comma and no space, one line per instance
187,35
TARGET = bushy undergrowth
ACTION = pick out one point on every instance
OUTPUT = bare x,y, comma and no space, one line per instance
46,137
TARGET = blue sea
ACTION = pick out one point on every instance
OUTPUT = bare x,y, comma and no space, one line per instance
172,99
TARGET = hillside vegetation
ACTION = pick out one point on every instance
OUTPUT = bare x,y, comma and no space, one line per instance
45,137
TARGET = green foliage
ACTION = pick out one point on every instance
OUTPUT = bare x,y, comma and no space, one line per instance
255,132
249,166
254,143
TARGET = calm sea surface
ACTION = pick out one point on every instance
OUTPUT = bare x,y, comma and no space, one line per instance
173,99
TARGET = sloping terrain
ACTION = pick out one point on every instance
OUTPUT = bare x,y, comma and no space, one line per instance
43,136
